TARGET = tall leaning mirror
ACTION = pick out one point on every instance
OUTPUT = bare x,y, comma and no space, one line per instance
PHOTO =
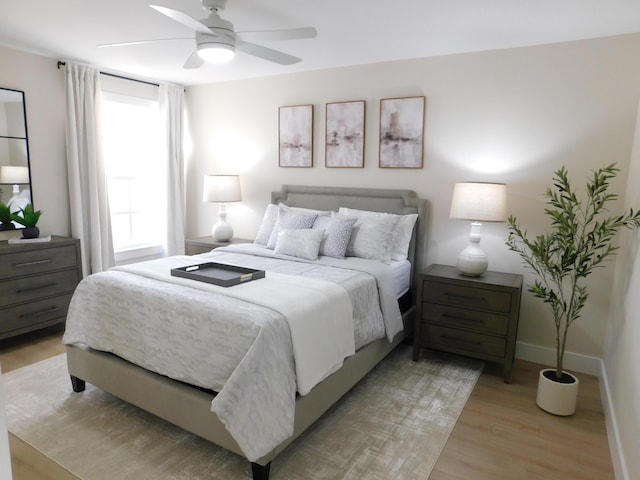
15,174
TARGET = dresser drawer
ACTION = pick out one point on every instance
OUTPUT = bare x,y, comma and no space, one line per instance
33,288
37,261
459,341
469,297
34,313
455,317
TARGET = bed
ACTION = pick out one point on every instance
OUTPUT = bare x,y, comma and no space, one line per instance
188,404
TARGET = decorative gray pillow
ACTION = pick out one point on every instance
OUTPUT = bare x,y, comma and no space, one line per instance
288,219
302,243
271,216
337,232
372,238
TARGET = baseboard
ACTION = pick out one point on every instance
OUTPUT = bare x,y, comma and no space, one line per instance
589,365
574,362
620,471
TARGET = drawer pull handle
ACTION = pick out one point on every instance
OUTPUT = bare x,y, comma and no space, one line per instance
35,262
462,319
461,340
466,297
31,289
39,313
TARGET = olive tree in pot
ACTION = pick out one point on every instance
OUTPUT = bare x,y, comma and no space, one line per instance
579,239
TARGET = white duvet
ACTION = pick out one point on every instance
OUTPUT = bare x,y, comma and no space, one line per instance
239,348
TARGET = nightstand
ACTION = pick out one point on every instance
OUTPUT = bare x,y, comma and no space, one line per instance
206,244
472,316
36,283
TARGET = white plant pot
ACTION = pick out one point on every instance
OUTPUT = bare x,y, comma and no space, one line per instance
555,397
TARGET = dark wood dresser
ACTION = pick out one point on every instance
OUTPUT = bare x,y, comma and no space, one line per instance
472,316
36,283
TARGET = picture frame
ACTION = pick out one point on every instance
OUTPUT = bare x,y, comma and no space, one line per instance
402,132
344,134
295,136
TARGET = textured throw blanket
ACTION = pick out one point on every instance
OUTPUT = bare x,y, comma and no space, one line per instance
318,312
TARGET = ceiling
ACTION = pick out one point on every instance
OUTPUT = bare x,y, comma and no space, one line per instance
350,32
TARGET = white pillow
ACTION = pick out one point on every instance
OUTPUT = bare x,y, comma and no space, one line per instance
337,233
266,227
372,237
271,216
302,243
288,218
404,231
306,211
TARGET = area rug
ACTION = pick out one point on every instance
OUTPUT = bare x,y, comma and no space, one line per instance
392,425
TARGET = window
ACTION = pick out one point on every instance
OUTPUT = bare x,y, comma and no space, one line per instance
134,153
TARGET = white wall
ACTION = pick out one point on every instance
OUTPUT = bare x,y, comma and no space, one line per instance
43,85
510,116
622,355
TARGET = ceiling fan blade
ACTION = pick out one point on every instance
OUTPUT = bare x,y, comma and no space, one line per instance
183,18
266,53
139,42
287,34
194,61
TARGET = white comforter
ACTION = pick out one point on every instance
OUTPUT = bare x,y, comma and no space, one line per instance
240,349
318,312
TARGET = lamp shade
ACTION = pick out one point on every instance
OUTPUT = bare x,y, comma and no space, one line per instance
485,202
11,175
221,188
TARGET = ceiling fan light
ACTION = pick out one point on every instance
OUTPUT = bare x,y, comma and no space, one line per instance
216,52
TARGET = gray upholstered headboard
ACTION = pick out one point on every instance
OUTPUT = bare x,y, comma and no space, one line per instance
374,199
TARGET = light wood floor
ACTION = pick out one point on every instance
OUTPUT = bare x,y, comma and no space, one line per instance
500,435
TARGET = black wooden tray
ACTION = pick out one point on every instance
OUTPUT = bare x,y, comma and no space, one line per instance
218,273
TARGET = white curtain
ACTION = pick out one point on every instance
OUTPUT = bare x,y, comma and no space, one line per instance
171,108
90,219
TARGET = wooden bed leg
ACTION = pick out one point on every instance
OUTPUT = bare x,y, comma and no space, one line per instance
260,472
77,384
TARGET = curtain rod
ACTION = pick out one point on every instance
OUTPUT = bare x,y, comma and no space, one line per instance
62,64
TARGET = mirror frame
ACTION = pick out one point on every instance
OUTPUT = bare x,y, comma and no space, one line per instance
6,135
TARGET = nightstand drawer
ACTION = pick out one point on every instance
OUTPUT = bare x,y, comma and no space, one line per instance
33,313
455,317
36,287
463,342
469,297
37,261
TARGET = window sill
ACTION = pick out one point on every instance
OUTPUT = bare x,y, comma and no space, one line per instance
134,254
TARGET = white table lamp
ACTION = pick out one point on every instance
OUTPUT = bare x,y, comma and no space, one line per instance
478,202
16,176
222,189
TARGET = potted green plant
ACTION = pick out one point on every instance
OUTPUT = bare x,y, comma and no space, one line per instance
6,222
580,238
28,217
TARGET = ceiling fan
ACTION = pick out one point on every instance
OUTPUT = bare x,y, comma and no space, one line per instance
216,40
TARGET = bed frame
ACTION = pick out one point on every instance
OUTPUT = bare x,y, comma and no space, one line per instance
189,407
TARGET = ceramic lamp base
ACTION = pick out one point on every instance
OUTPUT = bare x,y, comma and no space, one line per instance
222,231
472,261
